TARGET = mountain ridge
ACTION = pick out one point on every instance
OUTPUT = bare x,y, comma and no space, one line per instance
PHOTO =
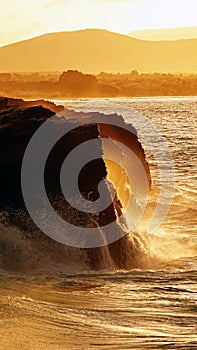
165,34
95,50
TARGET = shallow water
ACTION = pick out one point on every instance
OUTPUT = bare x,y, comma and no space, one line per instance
153,308
140,309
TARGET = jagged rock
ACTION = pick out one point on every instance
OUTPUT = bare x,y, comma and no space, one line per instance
13,103
18,122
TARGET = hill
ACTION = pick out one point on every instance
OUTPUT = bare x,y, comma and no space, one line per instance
95,50
165,34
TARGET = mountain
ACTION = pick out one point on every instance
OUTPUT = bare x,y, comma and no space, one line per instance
95,50
165,34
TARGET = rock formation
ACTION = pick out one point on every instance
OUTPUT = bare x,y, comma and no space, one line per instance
18,122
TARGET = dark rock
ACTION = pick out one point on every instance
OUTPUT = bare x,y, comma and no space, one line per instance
18,122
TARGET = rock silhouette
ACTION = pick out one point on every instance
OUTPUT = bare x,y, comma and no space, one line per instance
18,122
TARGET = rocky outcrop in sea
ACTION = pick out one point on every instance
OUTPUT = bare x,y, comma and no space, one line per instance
19,120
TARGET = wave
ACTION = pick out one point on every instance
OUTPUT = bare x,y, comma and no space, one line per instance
33,253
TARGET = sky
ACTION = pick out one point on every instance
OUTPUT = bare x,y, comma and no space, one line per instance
23,19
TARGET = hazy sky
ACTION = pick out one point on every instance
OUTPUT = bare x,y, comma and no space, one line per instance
23,19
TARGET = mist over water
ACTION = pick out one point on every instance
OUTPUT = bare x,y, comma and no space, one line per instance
50,301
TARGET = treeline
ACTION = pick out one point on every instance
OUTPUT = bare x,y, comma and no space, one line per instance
155,84
73,83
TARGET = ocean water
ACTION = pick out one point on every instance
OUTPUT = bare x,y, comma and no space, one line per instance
153,307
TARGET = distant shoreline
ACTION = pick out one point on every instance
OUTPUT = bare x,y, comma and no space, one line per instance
125,97
55,98
75,84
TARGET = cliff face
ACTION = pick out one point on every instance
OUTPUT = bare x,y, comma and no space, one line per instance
18,122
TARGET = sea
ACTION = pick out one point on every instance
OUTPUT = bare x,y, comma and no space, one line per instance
150,307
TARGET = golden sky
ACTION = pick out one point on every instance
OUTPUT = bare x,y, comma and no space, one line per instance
23,19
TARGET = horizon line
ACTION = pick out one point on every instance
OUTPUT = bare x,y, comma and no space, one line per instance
100,29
